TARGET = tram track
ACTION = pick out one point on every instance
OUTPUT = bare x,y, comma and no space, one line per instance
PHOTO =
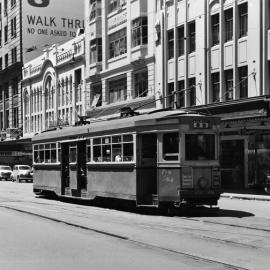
189,255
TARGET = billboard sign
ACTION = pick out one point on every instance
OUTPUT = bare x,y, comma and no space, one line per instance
46,22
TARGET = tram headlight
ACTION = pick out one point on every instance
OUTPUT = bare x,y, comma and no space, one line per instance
203,183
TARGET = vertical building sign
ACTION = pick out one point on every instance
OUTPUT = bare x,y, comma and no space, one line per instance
45,22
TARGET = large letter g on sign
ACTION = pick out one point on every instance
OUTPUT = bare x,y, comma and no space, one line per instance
39,3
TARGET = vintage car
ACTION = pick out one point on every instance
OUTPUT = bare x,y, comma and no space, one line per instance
22,172
5,172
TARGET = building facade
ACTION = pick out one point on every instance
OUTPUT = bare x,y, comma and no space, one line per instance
205,55
53,88
27,27
120,56
217,61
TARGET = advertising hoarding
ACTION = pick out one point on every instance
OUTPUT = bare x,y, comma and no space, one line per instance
46,22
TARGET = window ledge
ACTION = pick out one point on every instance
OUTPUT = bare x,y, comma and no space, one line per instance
95,20
139,47
117,58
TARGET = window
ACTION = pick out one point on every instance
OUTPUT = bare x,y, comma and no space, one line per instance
243,81
141,83
115,4
171,146
117,148
13,27
96,95
215,87
6,33
118,43
96,50
228,24
45,153
14,55
170,98
192,91
12,3
180,102
5,7
78,87
139,32
229,84
200,146
16,117
243,16
170,44
73,153
6,60
95,9
15,87
118,90
192,36
181,41
215,29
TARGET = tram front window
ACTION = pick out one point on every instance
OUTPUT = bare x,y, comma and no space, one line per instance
200,147
171,146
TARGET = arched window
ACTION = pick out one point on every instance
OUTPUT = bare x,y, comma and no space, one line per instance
48,93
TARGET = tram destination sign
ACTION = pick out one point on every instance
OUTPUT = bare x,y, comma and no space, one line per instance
201,124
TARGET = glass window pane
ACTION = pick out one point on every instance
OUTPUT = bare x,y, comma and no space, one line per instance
97,153
116,139
72,154
106,153
97,141
171,146
117,152
128,154
200,147
53,156
127,138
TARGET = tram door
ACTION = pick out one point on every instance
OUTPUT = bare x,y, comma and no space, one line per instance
147,170
65,178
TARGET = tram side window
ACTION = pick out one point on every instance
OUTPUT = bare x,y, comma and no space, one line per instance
73,153
200,147
128,154
113,149
45,153
171,146
97,149
106,149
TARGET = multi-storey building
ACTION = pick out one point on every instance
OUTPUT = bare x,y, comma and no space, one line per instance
120,59
27,27
207,55
53,88
217,61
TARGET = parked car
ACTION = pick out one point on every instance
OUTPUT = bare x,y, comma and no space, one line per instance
22,172
5,172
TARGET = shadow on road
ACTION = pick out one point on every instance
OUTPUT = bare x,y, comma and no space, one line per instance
130,206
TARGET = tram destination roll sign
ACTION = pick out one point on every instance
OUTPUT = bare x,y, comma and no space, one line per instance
46,22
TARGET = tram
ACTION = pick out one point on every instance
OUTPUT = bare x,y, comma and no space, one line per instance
164,158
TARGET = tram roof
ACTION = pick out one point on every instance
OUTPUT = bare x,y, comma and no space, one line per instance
150,119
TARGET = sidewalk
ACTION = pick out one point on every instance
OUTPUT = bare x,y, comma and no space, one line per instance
248,194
